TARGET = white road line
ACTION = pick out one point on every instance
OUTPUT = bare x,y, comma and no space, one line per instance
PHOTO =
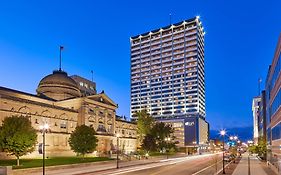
222,168
140,168
206,168
161,163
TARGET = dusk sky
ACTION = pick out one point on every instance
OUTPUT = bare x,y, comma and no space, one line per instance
239,46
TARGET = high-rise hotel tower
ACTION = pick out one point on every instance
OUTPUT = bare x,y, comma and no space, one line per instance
168,77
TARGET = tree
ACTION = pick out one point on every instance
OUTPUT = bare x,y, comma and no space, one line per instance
161,132
17,136
149,143
261,147
145,123
83,140
160,137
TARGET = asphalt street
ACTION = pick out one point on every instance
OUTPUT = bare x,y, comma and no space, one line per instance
195,165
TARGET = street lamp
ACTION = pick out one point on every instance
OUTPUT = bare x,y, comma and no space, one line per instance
167,139
222,133
117,160
44,129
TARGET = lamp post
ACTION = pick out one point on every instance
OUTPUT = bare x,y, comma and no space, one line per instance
44,128
167,139
117,159
222,133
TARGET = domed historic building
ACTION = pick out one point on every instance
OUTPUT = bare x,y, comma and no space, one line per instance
64,102
58,86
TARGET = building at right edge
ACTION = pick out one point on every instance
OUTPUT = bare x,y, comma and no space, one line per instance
272,99
168,80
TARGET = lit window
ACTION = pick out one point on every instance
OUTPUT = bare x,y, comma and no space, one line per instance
63,125
81,84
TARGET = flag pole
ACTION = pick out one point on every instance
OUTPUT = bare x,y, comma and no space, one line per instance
61,47
92,72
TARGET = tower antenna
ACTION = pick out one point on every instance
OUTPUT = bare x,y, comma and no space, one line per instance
170,18
259,86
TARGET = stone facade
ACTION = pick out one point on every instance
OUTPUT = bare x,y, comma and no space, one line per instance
66,109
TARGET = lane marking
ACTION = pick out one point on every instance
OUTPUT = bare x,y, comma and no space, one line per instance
140,168
161,163
222,168
206,168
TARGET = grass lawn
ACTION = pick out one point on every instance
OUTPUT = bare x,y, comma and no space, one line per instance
31,163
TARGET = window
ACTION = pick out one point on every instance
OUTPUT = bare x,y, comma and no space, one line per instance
63,125
81,84
101,128
276,103
109,128
276,132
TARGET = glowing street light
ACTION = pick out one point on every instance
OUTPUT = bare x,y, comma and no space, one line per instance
44,129
222,133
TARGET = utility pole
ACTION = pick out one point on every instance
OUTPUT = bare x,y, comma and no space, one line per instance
249,169
222,133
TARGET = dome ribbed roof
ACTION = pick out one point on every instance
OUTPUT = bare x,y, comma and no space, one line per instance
58,86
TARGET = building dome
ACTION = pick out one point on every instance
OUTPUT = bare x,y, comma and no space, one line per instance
58,86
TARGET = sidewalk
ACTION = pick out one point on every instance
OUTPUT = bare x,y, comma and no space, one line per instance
256,166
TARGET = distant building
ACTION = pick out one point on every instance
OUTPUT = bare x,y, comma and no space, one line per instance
256,112
273,108
85,86
168,79
63,103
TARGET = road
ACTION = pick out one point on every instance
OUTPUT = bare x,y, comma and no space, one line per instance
195,165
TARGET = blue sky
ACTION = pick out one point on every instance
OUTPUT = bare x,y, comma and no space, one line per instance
239,45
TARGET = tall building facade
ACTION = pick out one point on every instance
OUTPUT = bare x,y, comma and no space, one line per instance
167,74
273,108
256,112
